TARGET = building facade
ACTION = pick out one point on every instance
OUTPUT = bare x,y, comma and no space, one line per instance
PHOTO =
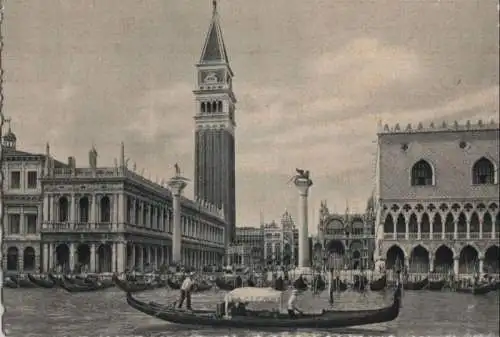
270,244
215,127
344,241
103,219
438,197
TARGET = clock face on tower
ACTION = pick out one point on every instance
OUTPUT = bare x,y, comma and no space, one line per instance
210,78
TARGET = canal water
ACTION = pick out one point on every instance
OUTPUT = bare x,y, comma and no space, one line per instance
56,313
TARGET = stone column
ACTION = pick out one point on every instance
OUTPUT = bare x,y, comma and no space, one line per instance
303,184
93,258
419,229
46,209
431,227
456,265
72,209
93,209
51,255
455,229
72,249
132,256
468,229
122,202
45,267
481,266
431,263
120,257
481,227
177,185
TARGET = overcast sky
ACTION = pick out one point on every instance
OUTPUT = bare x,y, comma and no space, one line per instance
312,79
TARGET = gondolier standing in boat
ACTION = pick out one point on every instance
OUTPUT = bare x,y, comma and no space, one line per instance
186,288
292,308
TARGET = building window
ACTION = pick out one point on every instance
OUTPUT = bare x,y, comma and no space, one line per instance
31,223
15,179
483,172
421,174
14,223
32,179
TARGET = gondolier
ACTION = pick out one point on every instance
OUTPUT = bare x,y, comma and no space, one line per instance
186,288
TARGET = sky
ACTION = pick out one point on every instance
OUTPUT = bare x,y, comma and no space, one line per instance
312,79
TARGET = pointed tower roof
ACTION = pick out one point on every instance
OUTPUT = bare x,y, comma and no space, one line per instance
214,50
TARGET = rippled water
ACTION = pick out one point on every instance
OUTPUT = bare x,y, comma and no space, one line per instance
56,313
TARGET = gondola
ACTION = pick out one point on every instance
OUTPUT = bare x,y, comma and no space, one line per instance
79,280
475,290
76,288
173,285
133,287
360,282
418,285
43,283
200,287
223,285
9,283
379,284
255,319
22,282
319,284
436,285
57,279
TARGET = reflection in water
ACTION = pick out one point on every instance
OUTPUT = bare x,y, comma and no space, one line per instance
54,313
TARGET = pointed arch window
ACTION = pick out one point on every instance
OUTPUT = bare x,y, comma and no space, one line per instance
483,172
422,174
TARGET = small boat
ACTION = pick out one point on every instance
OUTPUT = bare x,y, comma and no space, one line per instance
201,287
22,282
133,287
265,319
475,290
436,285
77,288
173,285
223,285
379,284
43,283
79,280
360,282
418,285
339,285
9,283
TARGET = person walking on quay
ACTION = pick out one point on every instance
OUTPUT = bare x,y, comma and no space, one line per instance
185,294
292,308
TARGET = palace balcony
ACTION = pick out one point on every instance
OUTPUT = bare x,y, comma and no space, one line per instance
441,236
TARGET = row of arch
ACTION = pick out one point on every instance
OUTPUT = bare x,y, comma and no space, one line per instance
210,107
84,209
28,255
402,225
443,259
424,174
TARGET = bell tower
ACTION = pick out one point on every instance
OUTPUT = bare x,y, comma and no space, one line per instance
215,126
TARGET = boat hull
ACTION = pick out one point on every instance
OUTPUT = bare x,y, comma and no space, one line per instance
133,287
379,284
49,283
326,320
75,288
419,285
436,285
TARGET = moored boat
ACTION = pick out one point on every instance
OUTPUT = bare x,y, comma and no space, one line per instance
260,319
378,285
133,287
23,282
417,285
223,285
77,288
10,283
43,283
436,285
475,290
